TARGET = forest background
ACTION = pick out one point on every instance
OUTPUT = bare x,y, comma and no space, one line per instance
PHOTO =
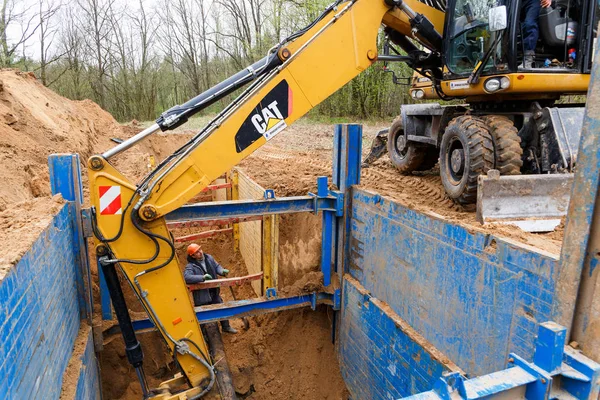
139,58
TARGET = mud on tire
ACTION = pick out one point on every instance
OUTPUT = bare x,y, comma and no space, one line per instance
406,157
507,144
467,137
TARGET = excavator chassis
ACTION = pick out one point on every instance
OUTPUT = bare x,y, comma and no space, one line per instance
530,175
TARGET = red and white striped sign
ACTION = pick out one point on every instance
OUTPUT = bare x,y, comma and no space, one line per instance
110,200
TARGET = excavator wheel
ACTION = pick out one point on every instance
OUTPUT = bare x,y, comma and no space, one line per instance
507,144
406,156
466,151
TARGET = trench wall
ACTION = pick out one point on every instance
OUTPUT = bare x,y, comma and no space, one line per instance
474,297
40,318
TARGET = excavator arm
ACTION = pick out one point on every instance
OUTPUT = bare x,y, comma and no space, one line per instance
128,219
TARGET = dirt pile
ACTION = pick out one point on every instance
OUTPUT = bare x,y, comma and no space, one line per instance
19,227
288,355
36,122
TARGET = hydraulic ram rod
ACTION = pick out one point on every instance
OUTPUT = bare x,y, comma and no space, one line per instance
179,115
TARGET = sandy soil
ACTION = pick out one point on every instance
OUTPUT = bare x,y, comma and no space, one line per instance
36,122
291,162
264,359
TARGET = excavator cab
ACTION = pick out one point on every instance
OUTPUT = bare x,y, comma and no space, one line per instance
510,119
566,33
470,36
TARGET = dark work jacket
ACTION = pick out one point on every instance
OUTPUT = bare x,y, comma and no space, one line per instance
194,273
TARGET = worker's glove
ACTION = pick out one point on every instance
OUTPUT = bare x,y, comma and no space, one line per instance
208,277
225,272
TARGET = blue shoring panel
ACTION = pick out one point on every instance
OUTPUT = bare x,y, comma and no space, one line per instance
380,356
65,179
475,297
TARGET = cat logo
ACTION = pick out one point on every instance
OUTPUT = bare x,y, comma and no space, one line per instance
267,119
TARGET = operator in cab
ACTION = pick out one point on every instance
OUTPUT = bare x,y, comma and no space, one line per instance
531,29
203,267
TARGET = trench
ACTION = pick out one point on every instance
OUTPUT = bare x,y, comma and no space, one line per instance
285,355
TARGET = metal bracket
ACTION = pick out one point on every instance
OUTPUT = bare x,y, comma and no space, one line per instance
313,301
271,293
269,194
98,338
86,222
338,197
540,389
337,299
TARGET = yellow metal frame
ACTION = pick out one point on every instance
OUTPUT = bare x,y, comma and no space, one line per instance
524,84
270,251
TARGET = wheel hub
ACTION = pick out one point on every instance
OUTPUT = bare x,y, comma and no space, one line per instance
401,143
457,161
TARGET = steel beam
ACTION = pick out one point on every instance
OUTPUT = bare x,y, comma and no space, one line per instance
578,288
556,369
246,308
212,222
246,208
217,283
347,153
202,235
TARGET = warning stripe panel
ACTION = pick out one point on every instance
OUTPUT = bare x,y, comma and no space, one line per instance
110,200
103,190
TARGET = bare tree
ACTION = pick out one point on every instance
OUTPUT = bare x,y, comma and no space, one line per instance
185,27
48,28
96,24
14,12
72,48
145,77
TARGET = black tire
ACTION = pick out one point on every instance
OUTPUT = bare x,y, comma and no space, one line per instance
408,157
507,144
468,139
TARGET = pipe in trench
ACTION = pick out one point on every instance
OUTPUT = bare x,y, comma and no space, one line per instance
217,353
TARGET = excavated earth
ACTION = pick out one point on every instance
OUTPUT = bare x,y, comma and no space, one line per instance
291,162
287,355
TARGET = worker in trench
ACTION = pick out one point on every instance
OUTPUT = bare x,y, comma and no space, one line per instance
203,267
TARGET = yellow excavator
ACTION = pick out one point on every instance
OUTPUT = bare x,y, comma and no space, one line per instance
468,49
512,119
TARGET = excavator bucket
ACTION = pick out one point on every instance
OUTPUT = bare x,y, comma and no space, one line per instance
535,203
378,148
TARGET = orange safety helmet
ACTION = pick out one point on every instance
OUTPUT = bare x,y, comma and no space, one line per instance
192,248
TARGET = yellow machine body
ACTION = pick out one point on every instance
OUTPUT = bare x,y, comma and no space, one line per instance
322,60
